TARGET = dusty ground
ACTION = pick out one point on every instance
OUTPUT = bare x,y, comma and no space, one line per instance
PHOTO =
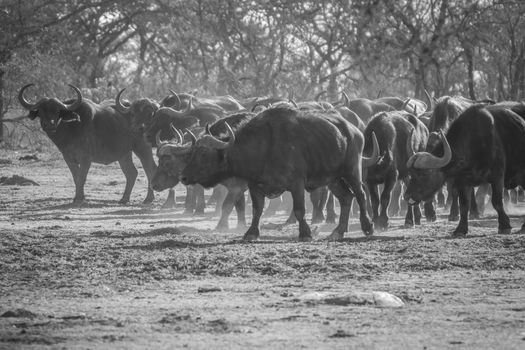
132,276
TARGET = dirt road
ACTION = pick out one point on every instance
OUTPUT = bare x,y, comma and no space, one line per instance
131,276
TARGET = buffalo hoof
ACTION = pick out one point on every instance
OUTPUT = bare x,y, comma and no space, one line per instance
381,223
250,238
504,231
431,218
453,218
459,232
291,220
305,238
199,213
335,236
169,204
367,228
124,201
148,200
408,225
222,226
79,202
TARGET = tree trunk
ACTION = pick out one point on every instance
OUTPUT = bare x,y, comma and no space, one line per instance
469,58
2,87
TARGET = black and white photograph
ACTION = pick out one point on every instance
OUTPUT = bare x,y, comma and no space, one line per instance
262,174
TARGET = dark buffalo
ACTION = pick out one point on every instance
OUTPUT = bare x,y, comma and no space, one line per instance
181,102
86,132
173,158
284,149
365,108
398,133
484,144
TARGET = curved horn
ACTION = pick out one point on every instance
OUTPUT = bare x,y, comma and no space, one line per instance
218,144
77,103
176,132
294,104
158,141
430,101
193,138
368,162
176,96
405,103
207,129
379,93
345,98
410,146
120,107
23,101
190,105
318,96
425,160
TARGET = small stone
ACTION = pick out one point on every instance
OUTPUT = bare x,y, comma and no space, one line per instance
18,313
209,289
384,299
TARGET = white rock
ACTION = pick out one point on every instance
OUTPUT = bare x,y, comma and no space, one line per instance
384,299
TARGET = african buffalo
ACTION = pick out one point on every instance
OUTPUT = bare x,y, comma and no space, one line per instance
284,149
86,132
484,144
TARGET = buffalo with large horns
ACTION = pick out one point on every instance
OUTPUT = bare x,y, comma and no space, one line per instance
86,132
285,149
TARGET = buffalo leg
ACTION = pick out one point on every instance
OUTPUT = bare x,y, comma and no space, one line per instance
382,220
374,199
497,202
454,210
464,196
200,203
430,212
355,184
413,215
170,201
273,206
330,209
318,198
129,170
345,197
227,206
441,198
189,202
240,205
305,235
257,208
74,168
395,204
143,152
474,213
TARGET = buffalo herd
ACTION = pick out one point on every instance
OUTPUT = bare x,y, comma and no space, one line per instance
362,149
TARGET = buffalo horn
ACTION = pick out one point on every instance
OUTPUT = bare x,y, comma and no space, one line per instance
218,144
368,162
77,103
176,132
425,160
158,141
207,129
430,101
346,99
176,96
23,101
192,135
318,96
120,107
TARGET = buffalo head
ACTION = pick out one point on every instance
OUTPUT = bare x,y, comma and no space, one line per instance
426,176
51,111
208,159
140,111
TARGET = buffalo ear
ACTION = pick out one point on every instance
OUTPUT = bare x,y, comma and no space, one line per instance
32,115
